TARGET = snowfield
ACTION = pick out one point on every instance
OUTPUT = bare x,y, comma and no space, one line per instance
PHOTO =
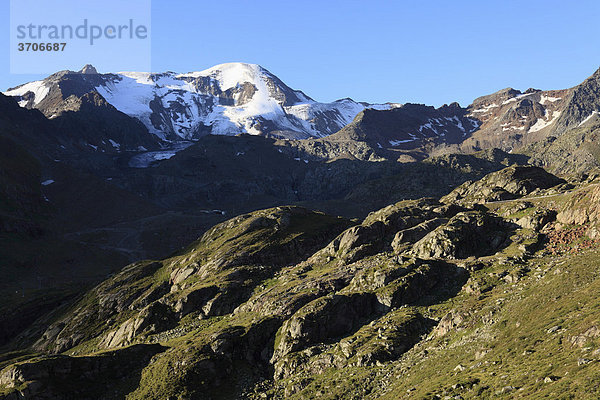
146,159
38,88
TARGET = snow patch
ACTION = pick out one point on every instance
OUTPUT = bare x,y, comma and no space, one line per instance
486,108
588,118
38,88
383,107
545,99
519,97
475,125
399,142
541,123
512,128
144,160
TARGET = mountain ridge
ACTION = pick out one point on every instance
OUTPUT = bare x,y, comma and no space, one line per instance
238,98
226,99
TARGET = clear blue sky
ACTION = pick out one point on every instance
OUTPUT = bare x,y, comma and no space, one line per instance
431,52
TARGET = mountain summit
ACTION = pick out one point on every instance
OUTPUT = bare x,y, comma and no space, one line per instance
88,69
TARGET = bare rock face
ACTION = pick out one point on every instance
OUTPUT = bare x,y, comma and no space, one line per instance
583,102
416,233
325,319
88,69
356,242
467,234
450,322
63,377
199,300
584,207
536,220
154,318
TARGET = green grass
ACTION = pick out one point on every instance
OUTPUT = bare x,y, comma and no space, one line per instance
511,326
504,346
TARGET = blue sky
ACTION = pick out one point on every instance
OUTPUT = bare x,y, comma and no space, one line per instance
431,52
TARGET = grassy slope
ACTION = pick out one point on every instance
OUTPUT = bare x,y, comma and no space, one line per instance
526,328
517,340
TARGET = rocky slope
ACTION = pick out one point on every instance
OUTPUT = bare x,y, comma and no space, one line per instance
507,184
217,171
556,128
428,297
510,118
291,303
403,133
52,246
53,177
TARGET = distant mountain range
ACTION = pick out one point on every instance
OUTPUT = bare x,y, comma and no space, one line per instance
227,99
238,98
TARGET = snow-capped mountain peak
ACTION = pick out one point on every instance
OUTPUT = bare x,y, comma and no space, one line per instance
226,99
229,75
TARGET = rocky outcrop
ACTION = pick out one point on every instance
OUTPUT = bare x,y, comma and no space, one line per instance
537,219
100,308
197,300
510,183
450,322
391,226
582,208
154,318
380,341
90,377
325,319
416,233
467,234
357,242
427,282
